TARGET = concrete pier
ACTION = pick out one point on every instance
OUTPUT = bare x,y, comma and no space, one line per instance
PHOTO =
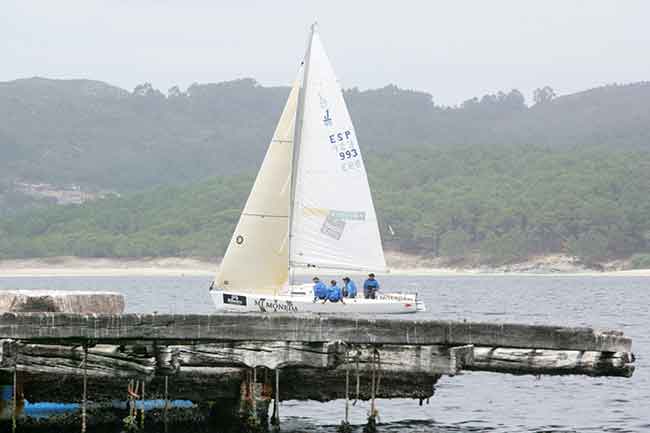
61,301
232,359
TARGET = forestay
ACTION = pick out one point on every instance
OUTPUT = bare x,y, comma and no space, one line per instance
257,257
333,224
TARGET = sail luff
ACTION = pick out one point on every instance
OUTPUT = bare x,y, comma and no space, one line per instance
296,141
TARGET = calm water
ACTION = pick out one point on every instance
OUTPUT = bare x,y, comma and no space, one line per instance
472,402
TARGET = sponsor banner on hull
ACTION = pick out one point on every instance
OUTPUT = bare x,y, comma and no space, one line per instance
234,299
275,306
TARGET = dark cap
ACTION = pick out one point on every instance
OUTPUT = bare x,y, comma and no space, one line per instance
315,279
371,275
346,279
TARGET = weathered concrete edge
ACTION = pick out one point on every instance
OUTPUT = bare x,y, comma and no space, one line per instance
305,328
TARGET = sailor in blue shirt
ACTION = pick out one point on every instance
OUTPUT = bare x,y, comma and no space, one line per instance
334,294
349,288
320,290
370,287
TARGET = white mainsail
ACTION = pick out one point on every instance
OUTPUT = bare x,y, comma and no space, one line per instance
333,221
257,257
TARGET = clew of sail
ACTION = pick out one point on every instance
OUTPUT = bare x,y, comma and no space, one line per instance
257,257
333,222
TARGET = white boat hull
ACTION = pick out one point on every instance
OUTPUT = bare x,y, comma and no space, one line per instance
303,302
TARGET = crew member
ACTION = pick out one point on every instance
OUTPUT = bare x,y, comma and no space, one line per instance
320,290
349,288
334,293
370,287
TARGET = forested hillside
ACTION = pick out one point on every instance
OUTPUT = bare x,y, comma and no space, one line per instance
494,205
491,181
91,133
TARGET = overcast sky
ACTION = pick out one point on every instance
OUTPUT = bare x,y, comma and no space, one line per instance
452,49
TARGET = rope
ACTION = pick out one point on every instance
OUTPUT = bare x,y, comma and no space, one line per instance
85,389
275,417
347,387
166,402
372,385
142,407
13,401
357,355
378,370
253,391
345,427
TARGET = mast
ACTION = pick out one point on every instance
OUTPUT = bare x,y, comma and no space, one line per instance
296,140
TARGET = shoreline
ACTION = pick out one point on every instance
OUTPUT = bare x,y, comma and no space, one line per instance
178,266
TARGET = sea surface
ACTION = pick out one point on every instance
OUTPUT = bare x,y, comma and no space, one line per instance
473,401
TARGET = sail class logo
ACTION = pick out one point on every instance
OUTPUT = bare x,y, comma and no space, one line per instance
327,119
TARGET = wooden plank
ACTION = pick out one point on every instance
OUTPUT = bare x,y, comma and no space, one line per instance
306,328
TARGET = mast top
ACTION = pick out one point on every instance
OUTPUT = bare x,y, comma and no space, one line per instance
314,27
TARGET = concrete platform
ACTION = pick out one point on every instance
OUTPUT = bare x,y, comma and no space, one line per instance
60,301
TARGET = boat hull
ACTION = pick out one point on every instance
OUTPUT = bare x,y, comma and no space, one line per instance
304,303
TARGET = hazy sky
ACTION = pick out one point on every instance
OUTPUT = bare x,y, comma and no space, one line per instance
452,49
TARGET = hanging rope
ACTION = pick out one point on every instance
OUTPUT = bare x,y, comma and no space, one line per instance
375,379
372,385
142,407
378,370
14,403
275,417
166,402
132,395
345,427
347,387
358,387
253,392
85,389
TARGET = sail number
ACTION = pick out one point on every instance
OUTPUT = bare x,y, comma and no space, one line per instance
352,153
340,136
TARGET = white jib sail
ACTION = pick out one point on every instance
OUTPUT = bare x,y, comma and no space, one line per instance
257,257
334,224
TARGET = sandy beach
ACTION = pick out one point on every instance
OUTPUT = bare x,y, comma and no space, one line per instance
178,266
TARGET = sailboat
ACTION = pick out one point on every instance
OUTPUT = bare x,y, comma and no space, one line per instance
310,208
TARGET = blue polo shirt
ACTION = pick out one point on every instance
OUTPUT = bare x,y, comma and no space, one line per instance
320,290
352,289
334,294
